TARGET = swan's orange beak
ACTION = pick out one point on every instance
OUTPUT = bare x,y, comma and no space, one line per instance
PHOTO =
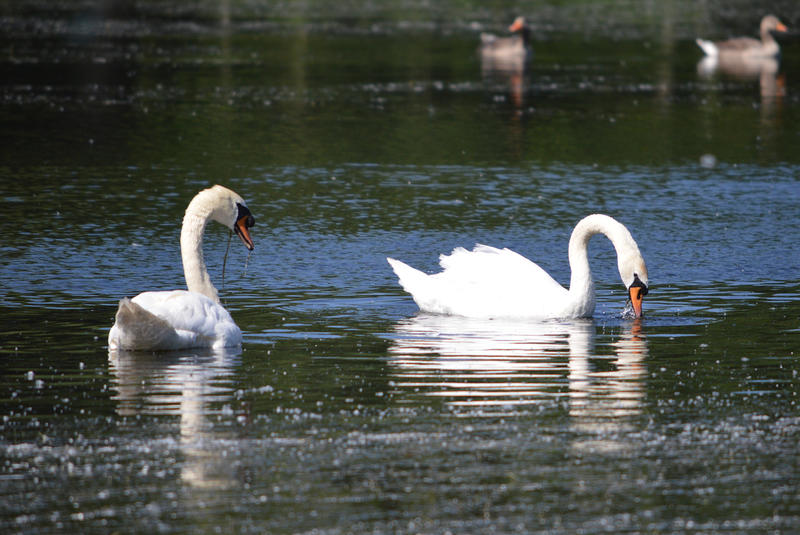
244,221
781,27
636,292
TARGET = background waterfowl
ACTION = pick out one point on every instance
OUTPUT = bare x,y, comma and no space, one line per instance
747,46
515,46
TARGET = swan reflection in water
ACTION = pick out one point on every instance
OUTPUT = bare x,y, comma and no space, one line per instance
192,385
497,366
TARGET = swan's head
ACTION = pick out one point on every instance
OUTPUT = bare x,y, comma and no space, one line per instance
632,269
633,272
227,207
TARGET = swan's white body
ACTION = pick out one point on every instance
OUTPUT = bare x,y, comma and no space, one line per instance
179,319
499,283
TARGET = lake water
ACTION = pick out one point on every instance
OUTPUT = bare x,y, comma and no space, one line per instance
367,130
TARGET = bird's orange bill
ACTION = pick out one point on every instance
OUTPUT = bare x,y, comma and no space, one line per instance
244,220
242,231
636,295
516,26
781,27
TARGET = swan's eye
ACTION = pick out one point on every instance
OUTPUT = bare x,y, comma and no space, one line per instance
637,283
244,212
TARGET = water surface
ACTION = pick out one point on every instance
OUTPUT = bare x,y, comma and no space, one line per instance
353,138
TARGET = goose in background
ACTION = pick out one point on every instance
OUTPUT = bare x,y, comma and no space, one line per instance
513,49
747,46
499,283
193,318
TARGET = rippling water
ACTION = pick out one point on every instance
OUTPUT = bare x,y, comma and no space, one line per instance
354,138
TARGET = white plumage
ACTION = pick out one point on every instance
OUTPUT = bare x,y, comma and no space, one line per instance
498,283
708,47
179,319
484,282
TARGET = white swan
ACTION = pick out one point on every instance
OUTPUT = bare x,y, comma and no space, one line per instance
499,283
180,319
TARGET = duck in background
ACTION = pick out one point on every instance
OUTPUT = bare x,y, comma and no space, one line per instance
504,60
745,58
514,50
747,47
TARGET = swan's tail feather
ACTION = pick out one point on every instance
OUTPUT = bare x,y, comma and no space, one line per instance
410,278
420,285
138,329
708,47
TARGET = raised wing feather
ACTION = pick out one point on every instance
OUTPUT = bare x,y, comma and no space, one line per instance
485,282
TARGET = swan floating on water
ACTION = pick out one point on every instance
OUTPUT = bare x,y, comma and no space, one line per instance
499,283
180,319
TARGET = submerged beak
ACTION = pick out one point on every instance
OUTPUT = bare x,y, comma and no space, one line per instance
636,294
636,300
244,221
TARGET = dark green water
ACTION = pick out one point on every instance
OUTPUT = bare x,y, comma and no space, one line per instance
361,131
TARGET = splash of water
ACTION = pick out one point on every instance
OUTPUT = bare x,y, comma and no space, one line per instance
627,312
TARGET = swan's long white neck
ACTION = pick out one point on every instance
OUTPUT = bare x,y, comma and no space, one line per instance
581,286
194,266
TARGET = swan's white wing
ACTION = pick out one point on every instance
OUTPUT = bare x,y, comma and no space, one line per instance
172,320
485,282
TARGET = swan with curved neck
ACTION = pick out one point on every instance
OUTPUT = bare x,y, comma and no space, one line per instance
192,318
499,283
